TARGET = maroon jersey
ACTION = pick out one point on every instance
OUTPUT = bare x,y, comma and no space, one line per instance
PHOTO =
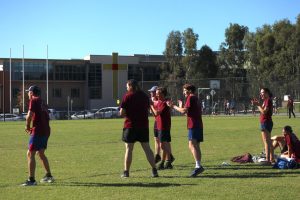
164,118
194,118
40,117
267,116
136,106
292,141
290,103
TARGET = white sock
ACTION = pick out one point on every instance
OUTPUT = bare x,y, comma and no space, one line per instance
198,164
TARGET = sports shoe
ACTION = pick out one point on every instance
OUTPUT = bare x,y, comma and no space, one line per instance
157,158
154,173
169,165
197,171
47,179
125,174
172,158
161,165
29,183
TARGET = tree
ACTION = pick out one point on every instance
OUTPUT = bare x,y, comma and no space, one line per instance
190,49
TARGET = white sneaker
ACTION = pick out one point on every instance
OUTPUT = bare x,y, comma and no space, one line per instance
47,179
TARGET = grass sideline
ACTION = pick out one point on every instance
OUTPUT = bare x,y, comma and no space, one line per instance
86,158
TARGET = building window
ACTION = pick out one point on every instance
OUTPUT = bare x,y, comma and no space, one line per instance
75,93
95,82
56,92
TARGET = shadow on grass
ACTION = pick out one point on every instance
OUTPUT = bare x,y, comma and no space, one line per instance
139,184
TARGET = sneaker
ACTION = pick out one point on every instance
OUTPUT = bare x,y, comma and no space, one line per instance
47,179
125,174
154,173
157,158
169,165
161,165
29,183
172,158
197,171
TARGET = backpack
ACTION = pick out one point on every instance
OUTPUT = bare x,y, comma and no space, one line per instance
246,158
283,163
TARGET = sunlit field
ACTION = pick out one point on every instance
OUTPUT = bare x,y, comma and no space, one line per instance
86,157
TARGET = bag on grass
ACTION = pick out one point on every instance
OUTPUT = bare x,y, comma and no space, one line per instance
283,163
246,158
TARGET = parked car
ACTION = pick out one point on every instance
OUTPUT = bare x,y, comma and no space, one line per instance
83,115
107,112
10,117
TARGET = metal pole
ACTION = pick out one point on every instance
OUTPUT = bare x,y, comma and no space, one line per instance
3,91
23,82
47,80
10,108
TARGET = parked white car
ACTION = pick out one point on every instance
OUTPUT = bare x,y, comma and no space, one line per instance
83,115
107,112
10,117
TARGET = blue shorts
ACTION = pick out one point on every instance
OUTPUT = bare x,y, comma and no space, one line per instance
268,125
195,134
164,135
37,142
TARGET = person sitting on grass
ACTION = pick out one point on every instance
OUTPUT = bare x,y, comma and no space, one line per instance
292,143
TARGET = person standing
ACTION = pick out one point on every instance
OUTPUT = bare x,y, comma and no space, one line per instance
135,106
39,135
192,109
290,106
162,115
266,123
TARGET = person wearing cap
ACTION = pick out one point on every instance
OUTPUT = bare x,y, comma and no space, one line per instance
162,115
154,102
39,133
135,107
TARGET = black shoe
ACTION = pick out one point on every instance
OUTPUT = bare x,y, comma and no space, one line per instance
154,173
168,165
197,171
29,183
125,174
172,158
157,158
161,165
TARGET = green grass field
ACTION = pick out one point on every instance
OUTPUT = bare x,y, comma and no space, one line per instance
86,158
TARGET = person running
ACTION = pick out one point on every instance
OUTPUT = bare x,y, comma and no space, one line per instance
162,115
192,109
135,106
266,123
39,135
290,106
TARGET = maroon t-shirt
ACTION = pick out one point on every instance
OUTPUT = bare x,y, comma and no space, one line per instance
40,117
267,116
136,106
292,140
164,118
194,117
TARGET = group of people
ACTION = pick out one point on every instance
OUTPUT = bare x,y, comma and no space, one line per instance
266,126
135,107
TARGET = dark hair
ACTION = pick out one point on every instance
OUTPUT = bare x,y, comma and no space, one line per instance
134,84
163,90
189,87
267,90
288,129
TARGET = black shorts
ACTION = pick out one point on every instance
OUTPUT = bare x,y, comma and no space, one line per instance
164,135
131,135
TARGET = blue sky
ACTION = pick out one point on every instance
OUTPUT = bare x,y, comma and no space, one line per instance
76,28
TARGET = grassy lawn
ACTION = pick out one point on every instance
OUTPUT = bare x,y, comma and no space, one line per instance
86,157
